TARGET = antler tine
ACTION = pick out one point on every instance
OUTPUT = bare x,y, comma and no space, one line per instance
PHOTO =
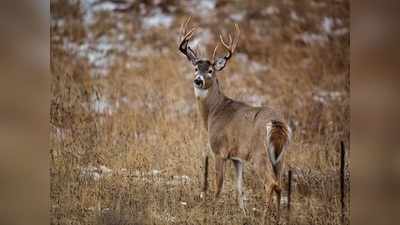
186,23
215,51
231,47
186,35
227,47
223,42
182,30
237,36
189,34
184,40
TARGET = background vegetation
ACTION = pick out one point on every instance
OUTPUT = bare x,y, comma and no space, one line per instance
126,142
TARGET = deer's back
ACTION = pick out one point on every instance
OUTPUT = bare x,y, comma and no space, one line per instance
239,130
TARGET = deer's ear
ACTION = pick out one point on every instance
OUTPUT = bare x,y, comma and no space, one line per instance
219,63
188,51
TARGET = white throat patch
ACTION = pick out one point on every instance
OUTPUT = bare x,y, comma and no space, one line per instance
200,93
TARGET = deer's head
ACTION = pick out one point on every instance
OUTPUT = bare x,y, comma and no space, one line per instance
205,69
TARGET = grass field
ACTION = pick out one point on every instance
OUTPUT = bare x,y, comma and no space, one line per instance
126,141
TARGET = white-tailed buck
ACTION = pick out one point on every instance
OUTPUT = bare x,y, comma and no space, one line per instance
236,131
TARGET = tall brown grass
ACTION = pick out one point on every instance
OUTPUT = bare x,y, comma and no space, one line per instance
151,138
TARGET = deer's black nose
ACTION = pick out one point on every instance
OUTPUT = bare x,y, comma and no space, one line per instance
198,82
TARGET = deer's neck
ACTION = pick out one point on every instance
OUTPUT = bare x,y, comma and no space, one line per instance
208,101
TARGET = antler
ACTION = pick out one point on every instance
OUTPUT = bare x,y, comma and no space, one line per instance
215,51
185,38
231,47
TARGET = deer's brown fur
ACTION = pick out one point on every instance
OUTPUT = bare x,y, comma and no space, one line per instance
237,131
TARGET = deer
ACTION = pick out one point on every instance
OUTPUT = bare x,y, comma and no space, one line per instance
236,131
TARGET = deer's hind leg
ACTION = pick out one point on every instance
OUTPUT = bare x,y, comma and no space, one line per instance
269,187
220,171
271,184
278,190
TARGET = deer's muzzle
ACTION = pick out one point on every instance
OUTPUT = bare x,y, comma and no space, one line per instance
199,82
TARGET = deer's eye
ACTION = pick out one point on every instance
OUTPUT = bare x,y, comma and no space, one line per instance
195,69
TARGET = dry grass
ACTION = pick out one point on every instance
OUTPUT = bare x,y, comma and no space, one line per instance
150,135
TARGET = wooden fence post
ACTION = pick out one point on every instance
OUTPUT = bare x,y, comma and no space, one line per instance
205,187
342,180
289,188
289,194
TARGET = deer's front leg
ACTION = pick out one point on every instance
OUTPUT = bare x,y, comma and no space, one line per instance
220,170
239,182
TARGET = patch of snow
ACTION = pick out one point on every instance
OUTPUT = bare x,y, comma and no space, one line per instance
325,97
123,171
334,95
320,99
155,172
341,32
92,7
183,178
293,124
242,57
284,200
295,17
339,22
186,178
106,210
89,8
238,16
60,22
203,8
179,180
90,172
94,173
137,173
105,170
256,67
157,18
207,4
97,52
172,8
317,4
327,25
312,38
251,65
60,132
142,52
104,6
135,104
101,105
134,65
270,10
199,42
201,39
184,203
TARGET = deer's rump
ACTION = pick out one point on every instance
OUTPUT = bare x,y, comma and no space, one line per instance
278,135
